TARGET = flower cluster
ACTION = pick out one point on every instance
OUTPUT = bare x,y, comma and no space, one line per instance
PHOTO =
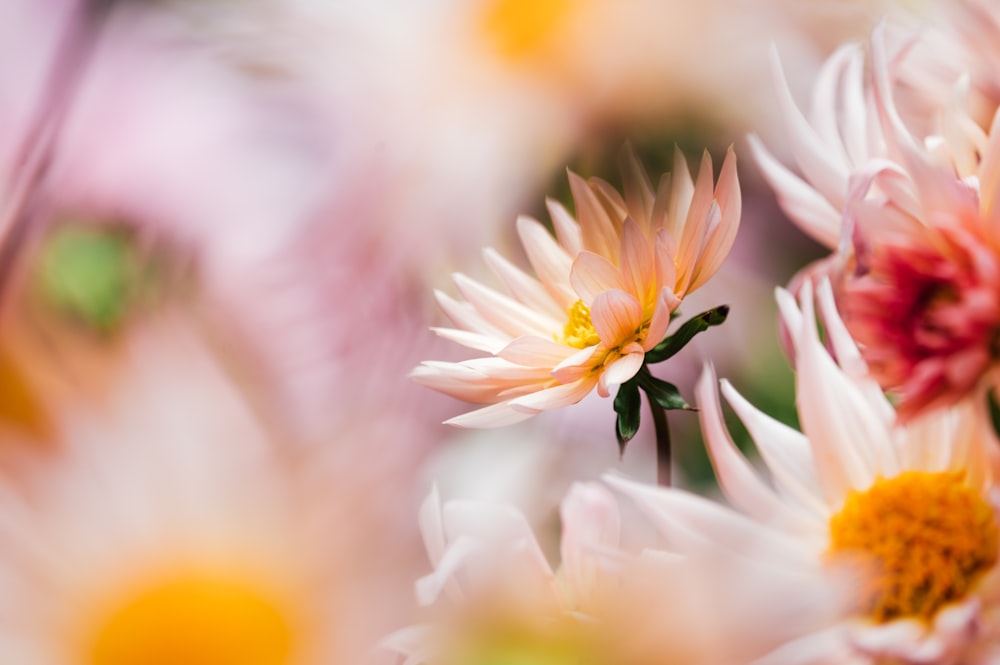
220,226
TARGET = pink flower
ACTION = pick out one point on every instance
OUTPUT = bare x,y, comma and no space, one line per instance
913,224
603,296
927,313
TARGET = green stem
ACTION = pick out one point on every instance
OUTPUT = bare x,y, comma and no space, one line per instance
663,464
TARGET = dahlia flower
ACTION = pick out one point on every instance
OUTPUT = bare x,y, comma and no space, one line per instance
171,529
605,290
913,225
901,517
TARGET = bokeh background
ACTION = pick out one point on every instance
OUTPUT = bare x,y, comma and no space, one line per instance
223,223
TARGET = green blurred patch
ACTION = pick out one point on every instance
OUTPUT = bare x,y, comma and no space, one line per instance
93,275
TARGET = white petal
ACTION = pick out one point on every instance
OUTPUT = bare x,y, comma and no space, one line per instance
737,478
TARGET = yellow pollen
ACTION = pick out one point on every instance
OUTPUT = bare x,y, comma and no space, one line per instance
579,331
194,620
519,28
924,538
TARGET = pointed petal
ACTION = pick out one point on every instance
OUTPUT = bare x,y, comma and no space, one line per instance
638,270
737,478
618,372
592,275
566,228
617,317
523,286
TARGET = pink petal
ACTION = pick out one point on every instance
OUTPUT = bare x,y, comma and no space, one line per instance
665,306
550,261
592,275
617,316
803,204
536,352
720,242
637,267
575,366
524,287
555,397
618,372
598,231
567,230
496,415
504,312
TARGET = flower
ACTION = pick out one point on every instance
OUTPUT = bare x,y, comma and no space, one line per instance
912,223
494,598
604,294
906,511
504,595
170,528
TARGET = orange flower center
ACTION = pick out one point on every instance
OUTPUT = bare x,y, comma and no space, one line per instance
195,620
579,330
924,537
521,28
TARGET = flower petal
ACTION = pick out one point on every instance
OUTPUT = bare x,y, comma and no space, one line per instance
555,397
737,477
592,275
617,317
618,372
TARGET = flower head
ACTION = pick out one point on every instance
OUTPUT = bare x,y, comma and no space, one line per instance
171,529
907,509
605,290
913,224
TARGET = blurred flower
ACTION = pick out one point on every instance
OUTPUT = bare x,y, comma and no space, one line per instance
494,598
171,528
909,509
941,43
911,219
604,295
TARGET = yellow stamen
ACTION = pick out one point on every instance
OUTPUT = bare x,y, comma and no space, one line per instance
195,620
519,28
926,538
579,331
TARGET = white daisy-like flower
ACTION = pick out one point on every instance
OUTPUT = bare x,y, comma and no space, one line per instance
908,510
170,529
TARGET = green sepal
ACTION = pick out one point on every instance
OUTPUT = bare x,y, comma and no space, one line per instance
674,343
663,393
627,406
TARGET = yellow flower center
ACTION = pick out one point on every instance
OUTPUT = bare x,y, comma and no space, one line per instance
925,537
195,620
579,331
520,28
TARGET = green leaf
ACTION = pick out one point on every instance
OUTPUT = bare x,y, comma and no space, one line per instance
627,406
663,393
674,343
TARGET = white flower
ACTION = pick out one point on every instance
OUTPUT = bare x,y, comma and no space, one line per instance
912,506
